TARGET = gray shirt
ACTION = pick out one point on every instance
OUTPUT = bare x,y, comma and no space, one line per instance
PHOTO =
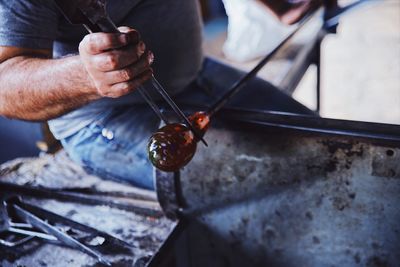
170,28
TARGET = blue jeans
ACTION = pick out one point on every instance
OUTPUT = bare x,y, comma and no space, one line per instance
115,147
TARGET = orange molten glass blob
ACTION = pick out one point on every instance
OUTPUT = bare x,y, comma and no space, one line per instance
171,147
174,145
200,121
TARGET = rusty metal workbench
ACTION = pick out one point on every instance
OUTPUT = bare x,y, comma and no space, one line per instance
287,190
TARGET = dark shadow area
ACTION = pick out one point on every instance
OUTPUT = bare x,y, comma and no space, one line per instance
18,139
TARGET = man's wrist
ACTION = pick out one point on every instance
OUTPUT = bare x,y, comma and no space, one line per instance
87,86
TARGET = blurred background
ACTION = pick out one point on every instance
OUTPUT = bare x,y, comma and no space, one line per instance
360,64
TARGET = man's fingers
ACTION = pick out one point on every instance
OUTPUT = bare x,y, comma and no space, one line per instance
132,71
132,34
116,62
97,43
120,89
118,59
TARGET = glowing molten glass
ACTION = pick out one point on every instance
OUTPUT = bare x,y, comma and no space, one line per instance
171,147
174,145
200,121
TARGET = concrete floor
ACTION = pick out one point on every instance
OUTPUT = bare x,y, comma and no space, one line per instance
361,66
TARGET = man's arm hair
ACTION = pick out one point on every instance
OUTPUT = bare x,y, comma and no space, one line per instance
36,88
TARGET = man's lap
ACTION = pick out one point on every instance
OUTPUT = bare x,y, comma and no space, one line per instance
115,147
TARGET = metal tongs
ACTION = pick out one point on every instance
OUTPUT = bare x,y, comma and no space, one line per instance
26,220
92,14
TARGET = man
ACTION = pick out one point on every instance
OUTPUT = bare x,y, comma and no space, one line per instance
85,84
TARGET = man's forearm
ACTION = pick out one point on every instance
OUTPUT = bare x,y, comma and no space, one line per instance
41,89
36,89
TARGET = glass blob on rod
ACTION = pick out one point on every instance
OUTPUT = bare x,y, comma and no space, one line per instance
173,146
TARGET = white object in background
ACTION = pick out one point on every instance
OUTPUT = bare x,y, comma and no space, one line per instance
252,30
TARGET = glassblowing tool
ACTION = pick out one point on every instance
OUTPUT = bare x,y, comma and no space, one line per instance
92,14
171,147
30,221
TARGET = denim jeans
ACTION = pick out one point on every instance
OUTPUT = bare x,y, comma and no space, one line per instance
115,146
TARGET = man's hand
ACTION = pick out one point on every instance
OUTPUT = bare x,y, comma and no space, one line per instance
34,87
291,11
116,63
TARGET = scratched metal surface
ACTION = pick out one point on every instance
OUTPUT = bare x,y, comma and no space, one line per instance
287,199
144,234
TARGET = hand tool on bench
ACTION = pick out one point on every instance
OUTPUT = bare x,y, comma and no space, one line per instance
92,14
33,222
120,201
25,230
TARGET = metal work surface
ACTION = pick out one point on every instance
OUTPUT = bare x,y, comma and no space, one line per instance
285,198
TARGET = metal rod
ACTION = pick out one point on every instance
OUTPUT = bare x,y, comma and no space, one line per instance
20,225
58,219
333,20
313,124
105,24
319,76
62,237
82,198
140,194
152,104
32,233
167,98
242,82
16,243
